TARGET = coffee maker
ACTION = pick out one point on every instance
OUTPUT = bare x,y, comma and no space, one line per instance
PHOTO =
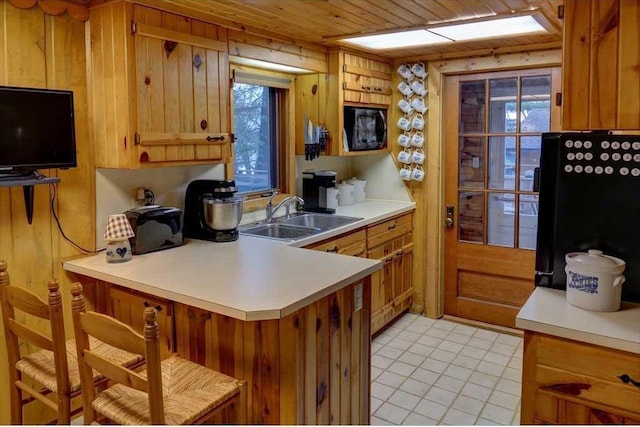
212,211
314,190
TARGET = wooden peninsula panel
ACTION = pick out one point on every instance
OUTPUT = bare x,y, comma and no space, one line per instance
310,367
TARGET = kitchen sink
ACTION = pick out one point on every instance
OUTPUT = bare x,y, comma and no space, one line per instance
279,231
322,221
297,226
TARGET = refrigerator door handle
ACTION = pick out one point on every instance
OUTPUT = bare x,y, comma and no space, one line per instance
536,179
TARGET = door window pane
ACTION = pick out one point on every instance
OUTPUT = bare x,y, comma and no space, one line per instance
501,224
472,106
503,95
255,148
471,159
529,160
535,104
528,228
502,162
471,217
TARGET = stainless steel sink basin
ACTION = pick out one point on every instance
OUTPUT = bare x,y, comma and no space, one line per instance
280,231
322,221
297,226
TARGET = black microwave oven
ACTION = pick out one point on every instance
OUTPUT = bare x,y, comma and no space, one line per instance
365,128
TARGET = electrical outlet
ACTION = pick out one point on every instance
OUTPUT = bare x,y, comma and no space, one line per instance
357,297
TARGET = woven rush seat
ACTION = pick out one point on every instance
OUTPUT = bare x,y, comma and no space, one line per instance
189,391
40,365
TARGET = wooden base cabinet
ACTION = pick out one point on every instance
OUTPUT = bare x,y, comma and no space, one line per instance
568,382
159,88
311,367
391,241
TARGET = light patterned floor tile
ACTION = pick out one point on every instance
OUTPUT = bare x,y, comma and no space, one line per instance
391,379
480,343
392,413
425,375
375,404
497,414
420,349
375,372
389,352
485,422
509,339
450,346
458,372
434,365
486,335
417,328
458,337
440,395
490,368
415,387
512,374
375,421
465,361
400,343
475,352
414,419
455,417
429,340
404,400
430,409
468,404
476,391
381,391
486,380
412,358
505,400
401,368
509,386
449,383
505,349
380,361
442,355
516,363
437,332
445,325
412,336
497,358
465,330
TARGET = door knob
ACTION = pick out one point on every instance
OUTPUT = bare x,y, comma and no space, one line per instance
448,221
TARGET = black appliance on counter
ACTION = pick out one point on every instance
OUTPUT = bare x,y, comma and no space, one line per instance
589,184
365,128
314,190
155,227
211,211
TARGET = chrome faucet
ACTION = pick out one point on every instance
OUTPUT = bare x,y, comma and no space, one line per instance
270,210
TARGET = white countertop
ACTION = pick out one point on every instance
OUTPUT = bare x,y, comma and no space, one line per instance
250,279
548,312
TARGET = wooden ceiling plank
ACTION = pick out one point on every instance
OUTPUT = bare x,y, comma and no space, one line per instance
391,20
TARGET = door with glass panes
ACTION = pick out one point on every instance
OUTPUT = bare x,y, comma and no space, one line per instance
493,127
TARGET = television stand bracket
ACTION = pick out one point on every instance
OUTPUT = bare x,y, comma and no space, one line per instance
27,183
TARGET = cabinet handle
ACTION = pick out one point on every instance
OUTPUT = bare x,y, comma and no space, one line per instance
627,379
377,89
367,88
334,250
391,227
215,138
157,307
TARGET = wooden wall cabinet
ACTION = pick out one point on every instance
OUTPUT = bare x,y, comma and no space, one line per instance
601,65
159,88
354,79
391,241
568,382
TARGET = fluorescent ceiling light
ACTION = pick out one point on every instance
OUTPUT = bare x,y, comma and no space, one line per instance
500,27
488,29
267,65
396,40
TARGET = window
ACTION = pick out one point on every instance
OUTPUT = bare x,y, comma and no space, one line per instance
258,126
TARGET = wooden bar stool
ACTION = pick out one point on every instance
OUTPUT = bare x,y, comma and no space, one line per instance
54,367
171,391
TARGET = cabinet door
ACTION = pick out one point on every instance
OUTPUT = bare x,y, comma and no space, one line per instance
366,81
128,307
601,77
182,89
402,272
382,286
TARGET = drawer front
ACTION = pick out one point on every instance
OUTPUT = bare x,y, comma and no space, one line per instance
587,372
389,230
350,244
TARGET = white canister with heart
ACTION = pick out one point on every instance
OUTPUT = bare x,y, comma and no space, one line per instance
345,194
359,193
594,280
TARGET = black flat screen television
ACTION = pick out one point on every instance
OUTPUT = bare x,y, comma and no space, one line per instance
36,130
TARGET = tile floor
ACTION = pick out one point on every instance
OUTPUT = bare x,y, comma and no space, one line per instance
438,372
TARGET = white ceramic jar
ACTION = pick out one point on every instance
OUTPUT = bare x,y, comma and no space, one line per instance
594,280
359,194
345,194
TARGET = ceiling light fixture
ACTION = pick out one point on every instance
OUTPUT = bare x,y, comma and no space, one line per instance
457,32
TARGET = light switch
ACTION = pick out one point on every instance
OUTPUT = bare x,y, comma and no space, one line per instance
475,162
357,297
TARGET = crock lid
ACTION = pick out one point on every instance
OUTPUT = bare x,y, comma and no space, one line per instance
594,259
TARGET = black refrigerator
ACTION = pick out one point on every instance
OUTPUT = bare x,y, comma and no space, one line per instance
589,186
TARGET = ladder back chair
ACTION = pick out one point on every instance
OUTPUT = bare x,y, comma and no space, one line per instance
171,391
54,366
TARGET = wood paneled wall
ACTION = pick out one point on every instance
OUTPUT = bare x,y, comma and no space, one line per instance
37,50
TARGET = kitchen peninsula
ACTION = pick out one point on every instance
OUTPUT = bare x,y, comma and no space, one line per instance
295,323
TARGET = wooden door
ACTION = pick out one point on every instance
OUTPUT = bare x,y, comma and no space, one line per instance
493,124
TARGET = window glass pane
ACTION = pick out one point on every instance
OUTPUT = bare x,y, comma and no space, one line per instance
254,146
503,95
529,160
471,217
502,162
471,157
500,229
535,104
472,106
528,229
